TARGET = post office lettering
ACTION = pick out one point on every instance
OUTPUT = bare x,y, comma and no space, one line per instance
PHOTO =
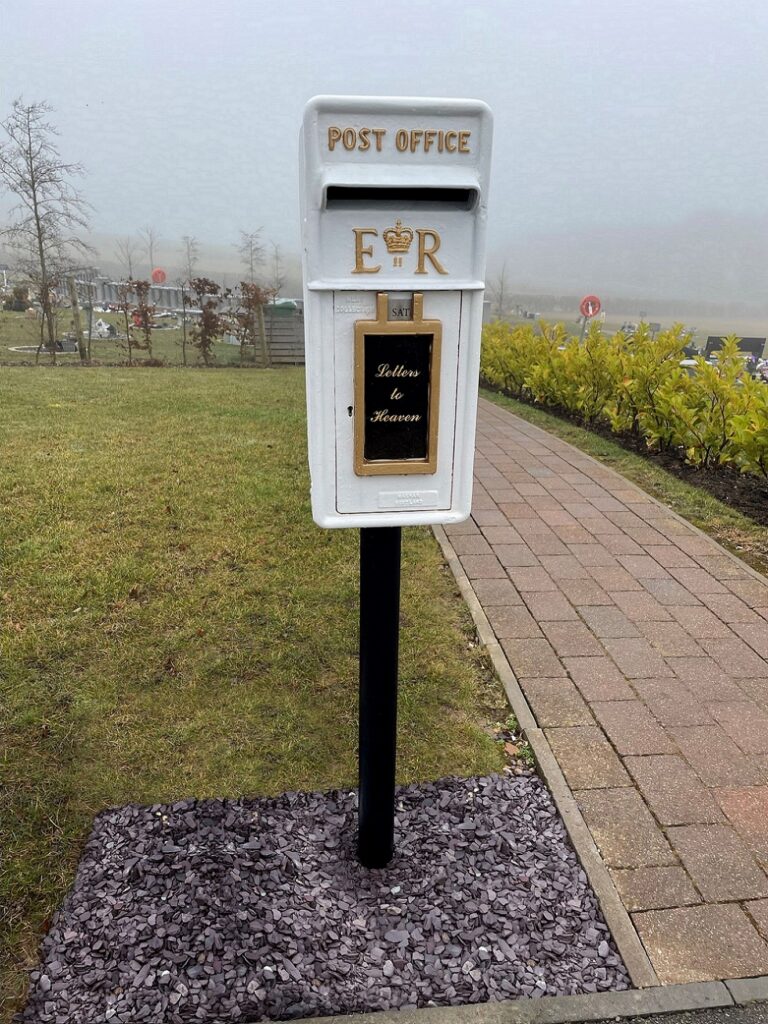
431,140
403,140
360,139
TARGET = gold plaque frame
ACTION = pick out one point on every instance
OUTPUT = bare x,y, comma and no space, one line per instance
382,325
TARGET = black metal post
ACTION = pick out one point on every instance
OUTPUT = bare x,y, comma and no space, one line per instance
379,637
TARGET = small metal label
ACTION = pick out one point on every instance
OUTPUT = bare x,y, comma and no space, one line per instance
407,499
400,307
351,307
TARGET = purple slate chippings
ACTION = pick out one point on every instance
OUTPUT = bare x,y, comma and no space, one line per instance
249,910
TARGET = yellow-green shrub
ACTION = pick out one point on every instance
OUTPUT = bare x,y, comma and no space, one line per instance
750,430
699,410
713,416
509,354
646,364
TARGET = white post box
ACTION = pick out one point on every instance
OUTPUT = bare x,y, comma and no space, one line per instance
394,196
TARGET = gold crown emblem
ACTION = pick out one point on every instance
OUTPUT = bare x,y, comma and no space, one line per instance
398,238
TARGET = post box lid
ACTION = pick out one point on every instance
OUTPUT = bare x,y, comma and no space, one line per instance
395,192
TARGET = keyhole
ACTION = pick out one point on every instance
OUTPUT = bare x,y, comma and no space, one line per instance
349,410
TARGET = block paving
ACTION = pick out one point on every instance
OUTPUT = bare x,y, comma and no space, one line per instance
642,649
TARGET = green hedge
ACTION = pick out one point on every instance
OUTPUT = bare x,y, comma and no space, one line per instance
713,415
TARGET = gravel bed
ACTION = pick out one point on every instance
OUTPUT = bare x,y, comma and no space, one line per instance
245,910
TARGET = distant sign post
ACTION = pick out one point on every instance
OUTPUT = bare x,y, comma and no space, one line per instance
589,306
158,276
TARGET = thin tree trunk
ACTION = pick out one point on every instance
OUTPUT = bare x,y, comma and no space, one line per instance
183,328
45,292
265,360
76,320
128,335
51,329
42,341
90,319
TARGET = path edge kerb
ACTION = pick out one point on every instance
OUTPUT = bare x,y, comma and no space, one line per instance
618,920
601,1006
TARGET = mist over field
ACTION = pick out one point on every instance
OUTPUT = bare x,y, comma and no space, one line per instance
629,154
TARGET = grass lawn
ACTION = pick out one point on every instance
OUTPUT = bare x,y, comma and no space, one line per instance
728,526
172,623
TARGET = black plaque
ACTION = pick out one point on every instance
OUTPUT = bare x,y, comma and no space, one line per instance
396,381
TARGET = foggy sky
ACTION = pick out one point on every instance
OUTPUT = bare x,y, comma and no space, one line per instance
631,136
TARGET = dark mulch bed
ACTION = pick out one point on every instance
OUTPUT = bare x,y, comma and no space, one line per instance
253,909
747,494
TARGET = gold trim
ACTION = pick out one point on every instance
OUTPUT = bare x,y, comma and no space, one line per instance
429,253
398,238
364,250
382,325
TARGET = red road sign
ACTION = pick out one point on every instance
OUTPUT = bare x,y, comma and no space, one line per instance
158,276
589,305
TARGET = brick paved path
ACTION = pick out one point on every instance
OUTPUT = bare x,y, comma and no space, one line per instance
642,649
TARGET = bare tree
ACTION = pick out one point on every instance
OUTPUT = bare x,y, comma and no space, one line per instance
142,315
185,302
251,253
126,255
277,280
150,238
137,316
88,288
497,291
49,208
77,325
277,271
124,291
190,255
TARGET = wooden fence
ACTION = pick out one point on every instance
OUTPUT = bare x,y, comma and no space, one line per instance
285,336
